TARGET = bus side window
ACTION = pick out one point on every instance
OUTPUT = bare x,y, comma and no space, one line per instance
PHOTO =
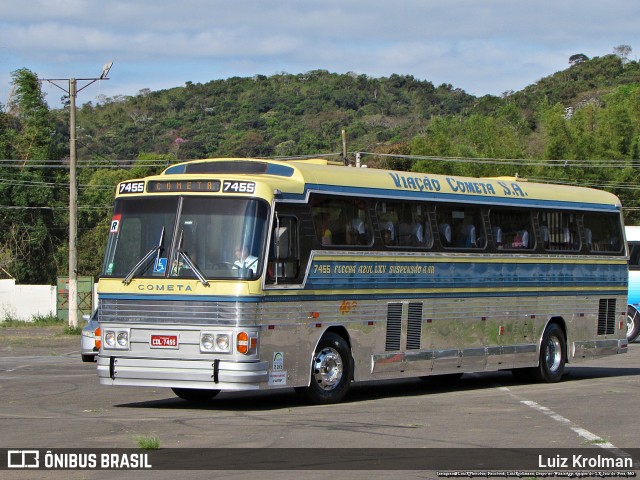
512,229
341,221
602,232
460,227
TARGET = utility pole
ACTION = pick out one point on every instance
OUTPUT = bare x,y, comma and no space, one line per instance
344,147
73,188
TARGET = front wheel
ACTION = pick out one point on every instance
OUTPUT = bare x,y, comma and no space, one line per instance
331,371
553,355
195,395
633,324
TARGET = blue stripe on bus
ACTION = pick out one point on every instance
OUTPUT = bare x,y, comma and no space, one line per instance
364,275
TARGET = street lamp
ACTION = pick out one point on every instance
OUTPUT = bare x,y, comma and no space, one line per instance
73,189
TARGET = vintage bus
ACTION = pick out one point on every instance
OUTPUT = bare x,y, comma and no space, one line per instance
633,314
255,274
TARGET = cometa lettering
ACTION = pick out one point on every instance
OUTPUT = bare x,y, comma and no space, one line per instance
479,188
178,287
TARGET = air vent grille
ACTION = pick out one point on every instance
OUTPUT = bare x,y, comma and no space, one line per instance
414,326
607,316
394,326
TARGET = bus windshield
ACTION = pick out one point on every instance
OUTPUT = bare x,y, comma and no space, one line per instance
186,237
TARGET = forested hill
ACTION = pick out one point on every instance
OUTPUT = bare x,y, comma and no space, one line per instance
288,114
580,126
264,116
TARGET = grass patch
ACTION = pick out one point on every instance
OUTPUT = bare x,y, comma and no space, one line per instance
34,321
40,321
598,441
68,330
148,442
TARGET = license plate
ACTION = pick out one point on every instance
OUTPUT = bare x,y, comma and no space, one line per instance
164,341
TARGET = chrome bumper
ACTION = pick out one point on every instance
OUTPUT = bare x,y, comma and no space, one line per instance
200,374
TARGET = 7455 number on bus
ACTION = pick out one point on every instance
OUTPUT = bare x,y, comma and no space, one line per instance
231,186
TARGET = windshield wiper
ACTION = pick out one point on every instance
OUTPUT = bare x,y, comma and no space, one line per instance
145,259
190,263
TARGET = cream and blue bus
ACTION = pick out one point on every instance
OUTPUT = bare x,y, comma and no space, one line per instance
633,314
255,274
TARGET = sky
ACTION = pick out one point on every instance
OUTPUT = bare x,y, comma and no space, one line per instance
481,46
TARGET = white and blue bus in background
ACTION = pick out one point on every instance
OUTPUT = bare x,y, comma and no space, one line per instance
633,316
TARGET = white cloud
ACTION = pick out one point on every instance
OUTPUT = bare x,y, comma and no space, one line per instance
482,46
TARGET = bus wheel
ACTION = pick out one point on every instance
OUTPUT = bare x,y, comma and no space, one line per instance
331,371
194,394
633,324
553,355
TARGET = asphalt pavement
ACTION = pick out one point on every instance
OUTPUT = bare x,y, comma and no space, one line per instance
49,399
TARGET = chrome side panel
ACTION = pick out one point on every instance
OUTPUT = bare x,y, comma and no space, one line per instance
413,337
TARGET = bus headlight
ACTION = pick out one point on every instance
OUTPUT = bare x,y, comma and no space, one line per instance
123,339
215,342
116,339
222,342
110,339
206,342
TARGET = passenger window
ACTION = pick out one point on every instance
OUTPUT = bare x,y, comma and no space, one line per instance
404,224
602,233
460,227
512,229
341,221
559,231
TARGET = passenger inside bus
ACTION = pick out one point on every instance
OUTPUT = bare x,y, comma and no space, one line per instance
445,234
356,232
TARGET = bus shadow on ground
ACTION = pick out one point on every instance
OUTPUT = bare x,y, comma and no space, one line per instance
375,390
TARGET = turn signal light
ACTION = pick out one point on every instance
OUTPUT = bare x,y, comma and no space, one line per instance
97,338
242,344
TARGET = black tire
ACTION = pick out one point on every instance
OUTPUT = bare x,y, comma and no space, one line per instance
553,355
331,371
633,324
88,358
194,394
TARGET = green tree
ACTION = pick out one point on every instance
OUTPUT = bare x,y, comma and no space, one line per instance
31,220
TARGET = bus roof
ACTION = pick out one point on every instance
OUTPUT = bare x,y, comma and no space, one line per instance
296,178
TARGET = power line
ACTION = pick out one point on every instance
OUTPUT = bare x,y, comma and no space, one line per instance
519,162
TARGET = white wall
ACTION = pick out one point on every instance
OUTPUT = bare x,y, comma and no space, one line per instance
22,302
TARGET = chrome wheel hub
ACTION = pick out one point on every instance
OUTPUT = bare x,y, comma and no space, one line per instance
327,368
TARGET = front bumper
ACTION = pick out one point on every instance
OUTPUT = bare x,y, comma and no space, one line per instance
197,374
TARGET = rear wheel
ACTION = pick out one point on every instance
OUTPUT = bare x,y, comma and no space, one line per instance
331,371
194,394
553,355
633,324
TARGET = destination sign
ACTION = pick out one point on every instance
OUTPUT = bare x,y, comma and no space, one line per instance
179,186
